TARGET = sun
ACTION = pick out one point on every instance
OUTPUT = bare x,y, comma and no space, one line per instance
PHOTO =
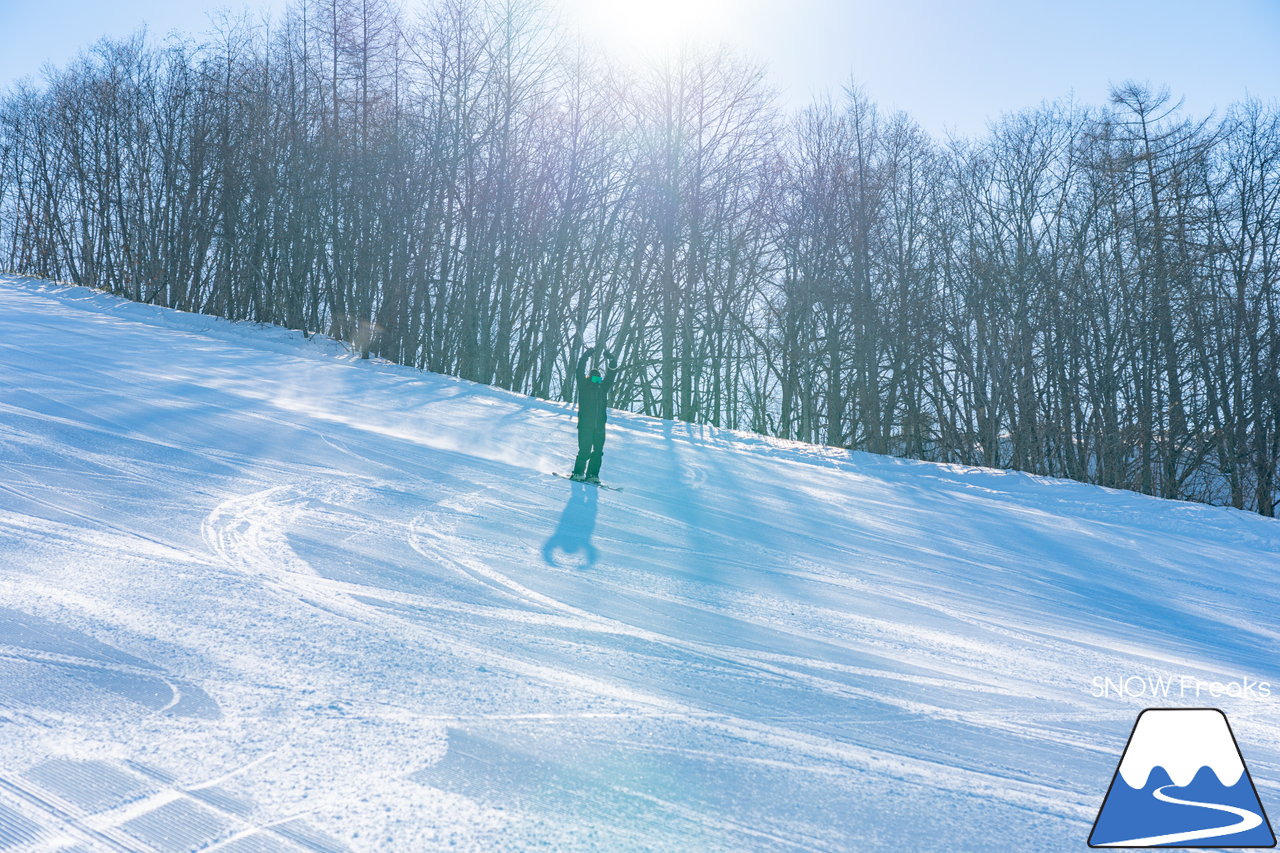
650,26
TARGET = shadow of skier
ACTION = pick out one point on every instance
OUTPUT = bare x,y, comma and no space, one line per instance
573,534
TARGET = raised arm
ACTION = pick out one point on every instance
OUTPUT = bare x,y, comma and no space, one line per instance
582,362
613,367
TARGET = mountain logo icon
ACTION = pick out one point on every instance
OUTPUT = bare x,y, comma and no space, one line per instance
1182,782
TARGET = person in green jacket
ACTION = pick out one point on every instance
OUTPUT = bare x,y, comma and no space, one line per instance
593,396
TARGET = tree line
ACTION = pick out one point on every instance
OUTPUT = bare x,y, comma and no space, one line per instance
1083,292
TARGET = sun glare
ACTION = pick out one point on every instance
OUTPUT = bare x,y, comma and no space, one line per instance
652,26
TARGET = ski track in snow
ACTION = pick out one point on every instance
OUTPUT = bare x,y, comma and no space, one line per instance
260,595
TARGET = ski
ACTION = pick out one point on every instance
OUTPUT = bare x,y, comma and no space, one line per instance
605,486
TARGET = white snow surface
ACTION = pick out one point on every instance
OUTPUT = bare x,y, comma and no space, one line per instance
258,594
1182,741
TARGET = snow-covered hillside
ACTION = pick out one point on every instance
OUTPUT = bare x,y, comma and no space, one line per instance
258,594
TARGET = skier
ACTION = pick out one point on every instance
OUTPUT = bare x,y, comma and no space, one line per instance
593,392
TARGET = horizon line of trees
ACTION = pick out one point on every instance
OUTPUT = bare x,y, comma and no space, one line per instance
1089,293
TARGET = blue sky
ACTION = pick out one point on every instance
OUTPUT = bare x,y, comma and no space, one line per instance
952,65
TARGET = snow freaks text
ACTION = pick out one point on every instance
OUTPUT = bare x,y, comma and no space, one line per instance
1177,687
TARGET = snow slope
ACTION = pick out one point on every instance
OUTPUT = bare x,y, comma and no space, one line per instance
258,595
